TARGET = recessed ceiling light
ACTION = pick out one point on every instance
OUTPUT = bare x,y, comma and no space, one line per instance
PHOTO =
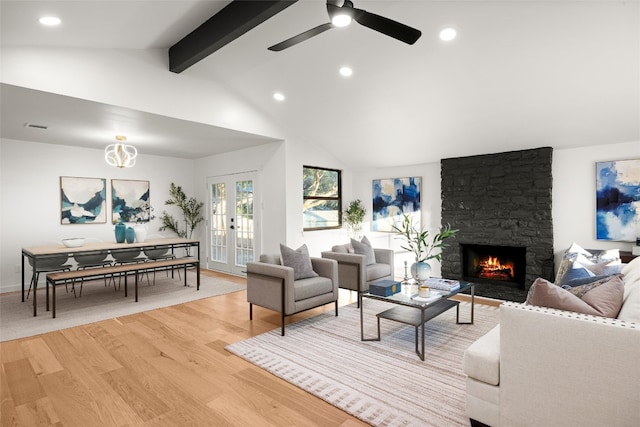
50,21
448,34
346,71
278,96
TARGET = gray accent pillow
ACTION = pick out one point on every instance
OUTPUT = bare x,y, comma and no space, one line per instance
364,248
299,260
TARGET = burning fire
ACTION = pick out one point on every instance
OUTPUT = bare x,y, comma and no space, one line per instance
493,268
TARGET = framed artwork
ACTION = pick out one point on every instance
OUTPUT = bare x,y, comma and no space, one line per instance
392,199
618,200
130,200
83,200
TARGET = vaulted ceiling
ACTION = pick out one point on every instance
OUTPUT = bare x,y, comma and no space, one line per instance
520,74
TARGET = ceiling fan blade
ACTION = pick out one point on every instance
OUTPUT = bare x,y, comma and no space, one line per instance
301,37
387,26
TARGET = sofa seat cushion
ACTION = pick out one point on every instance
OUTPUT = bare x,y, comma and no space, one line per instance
481,360
312,287
377,271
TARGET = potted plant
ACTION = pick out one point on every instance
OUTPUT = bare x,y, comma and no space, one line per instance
191,213
353,217
422,247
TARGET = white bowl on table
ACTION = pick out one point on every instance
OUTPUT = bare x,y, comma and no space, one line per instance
75,242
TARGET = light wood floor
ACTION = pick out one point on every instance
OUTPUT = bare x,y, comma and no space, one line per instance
160,368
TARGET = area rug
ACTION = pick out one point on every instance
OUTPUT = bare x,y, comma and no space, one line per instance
98,302
383,383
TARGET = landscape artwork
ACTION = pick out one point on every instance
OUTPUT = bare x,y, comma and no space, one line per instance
130,200
618,200
83,200
392,199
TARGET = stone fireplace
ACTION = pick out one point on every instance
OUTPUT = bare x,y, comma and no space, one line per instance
503,201
492,263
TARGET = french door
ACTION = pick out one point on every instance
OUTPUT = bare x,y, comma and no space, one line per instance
233,223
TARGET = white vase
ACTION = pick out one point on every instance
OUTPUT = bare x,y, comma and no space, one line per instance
420,271
141,233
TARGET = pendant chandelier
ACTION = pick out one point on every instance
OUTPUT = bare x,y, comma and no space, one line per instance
120,154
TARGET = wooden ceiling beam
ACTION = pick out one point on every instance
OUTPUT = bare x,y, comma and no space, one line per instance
231,22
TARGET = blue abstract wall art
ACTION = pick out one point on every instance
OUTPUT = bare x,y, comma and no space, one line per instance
130,200
83,200
392,199
618,200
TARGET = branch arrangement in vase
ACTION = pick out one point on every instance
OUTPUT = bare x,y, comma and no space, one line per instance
418,240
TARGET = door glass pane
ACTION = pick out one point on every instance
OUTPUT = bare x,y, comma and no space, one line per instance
244,222
218,222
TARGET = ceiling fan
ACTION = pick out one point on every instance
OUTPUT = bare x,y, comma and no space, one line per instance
341,13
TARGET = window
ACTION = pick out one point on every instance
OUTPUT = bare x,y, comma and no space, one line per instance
322,190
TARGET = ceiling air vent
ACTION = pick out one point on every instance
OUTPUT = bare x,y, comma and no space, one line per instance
35,126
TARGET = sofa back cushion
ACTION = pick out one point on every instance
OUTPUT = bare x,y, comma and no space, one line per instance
605,299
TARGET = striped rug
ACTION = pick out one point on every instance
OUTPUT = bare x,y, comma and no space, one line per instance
382,383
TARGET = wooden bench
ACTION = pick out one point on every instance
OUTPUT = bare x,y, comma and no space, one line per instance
54,279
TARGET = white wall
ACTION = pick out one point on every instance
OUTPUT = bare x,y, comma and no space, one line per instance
573,198
30,195
30,200
574,195
430,208
299,154
269,162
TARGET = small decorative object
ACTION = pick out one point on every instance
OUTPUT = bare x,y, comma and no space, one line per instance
75,242
424,292
422,249
120,230
405,279
141,233
385,288
130,235
353,217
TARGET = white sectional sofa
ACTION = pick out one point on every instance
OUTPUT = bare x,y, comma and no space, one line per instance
549,367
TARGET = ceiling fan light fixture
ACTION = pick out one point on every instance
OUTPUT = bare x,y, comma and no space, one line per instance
120,155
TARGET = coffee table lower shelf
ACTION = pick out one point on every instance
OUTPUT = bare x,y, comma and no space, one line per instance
415,317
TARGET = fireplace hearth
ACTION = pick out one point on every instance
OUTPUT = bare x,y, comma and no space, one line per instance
492,263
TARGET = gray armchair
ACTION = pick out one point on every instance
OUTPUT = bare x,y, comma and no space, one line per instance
271,285
353,271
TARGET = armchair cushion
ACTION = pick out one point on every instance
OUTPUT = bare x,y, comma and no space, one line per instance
364,248
299,260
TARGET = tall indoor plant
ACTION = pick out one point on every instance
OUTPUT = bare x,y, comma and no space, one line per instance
191,213
423,248
353,217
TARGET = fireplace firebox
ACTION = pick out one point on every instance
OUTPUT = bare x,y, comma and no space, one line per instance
494,264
